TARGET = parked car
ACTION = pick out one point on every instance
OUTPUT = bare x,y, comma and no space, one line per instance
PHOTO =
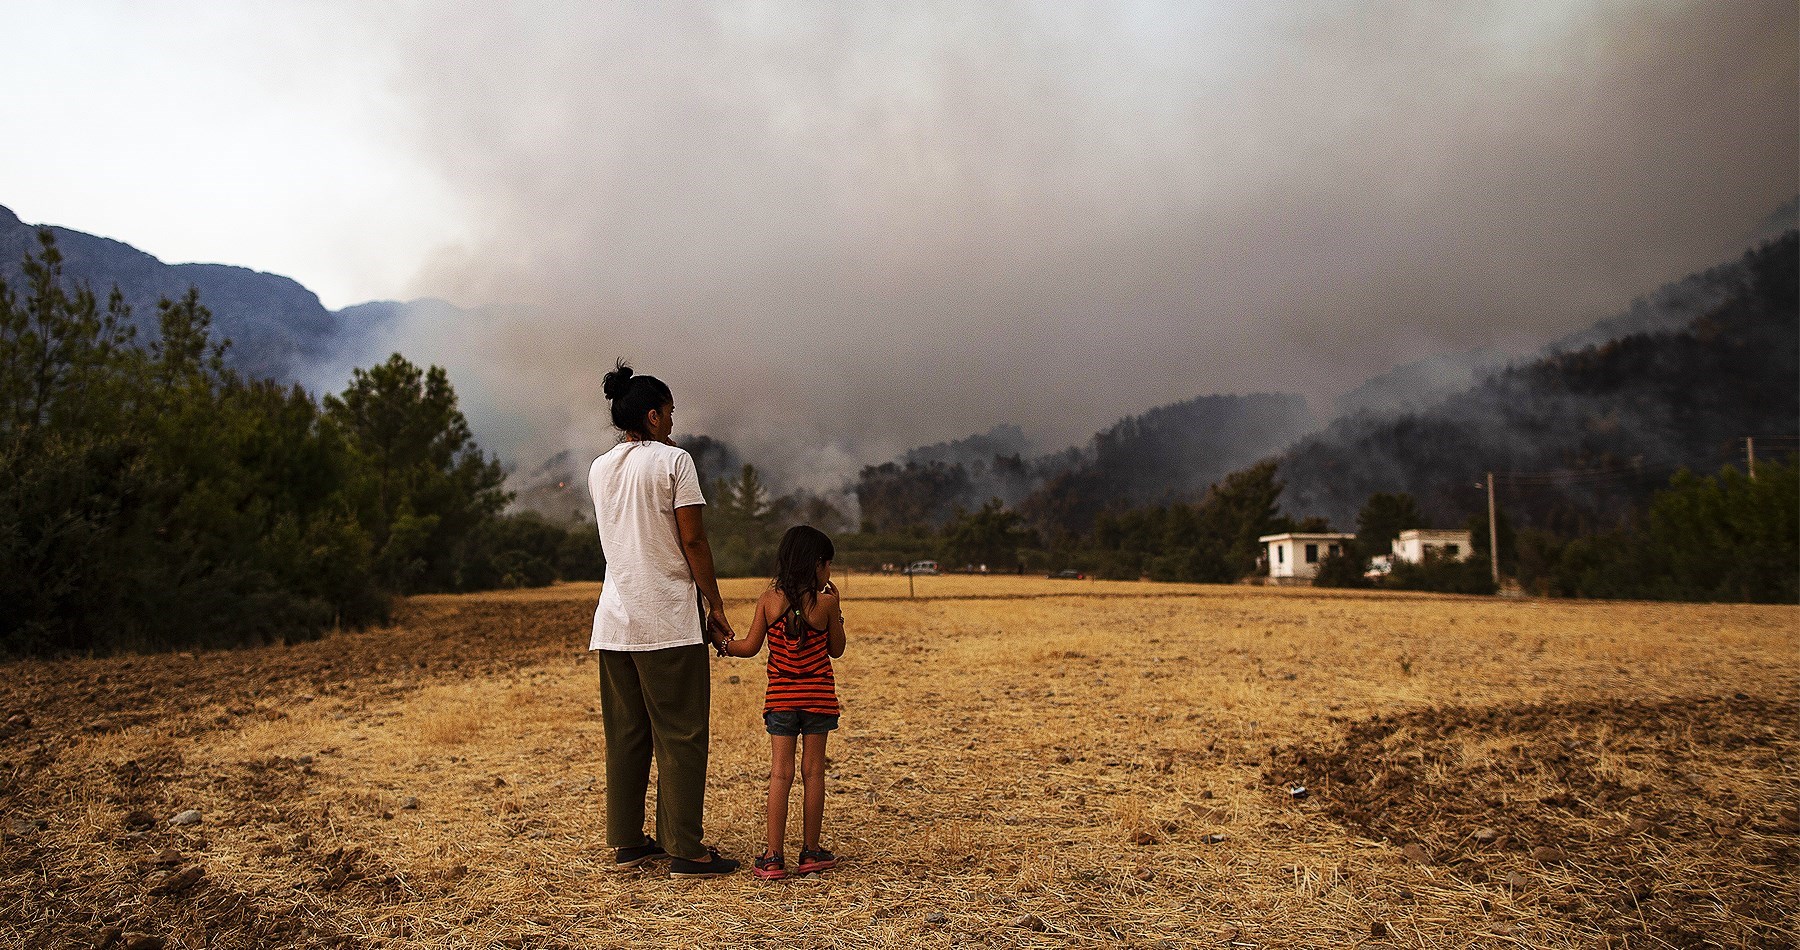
923,567
1067,574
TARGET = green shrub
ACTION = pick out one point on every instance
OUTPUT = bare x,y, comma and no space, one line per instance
1444,575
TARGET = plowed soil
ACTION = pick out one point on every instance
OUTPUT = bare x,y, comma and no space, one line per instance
1656,818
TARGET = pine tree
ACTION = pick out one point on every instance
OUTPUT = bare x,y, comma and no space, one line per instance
1381,520
418,483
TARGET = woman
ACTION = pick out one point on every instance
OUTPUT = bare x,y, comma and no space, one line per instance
655,686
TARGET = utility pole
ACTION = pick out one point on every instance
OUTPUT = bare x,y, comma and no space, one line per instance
1750,453
1493,531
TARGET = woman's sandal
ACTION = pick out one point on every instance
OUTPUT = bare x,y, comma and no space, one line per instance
770,867
819,860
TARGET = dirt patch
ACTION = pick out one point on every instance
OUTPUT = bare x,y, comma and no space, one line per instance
149,884
1673,822
430,641
148,877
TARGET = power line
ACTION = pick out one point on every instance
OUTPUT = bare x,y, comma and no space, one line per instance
1635,470
1571,477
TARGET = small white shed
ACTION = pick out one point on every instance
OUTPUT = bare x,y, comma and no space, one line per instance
1294,556
1413,544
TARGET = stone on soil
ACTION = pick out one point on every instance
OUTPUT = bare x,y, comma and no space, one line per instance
1027,922
189,817
179,881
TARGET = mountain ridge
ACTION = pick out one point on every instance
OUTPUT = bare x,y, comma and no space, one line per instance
276,325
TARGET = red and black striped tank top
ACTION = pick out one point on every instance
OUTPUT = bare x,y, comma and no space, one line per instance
799,669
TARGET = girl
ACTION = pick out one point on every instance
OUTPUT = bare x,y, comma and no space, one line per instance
799,616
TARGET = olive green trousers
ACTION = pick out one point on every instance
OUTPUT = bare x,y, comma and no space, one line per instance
656,702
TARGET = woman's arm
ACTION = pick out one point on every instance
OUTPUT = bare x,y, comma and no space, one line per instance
759,628
690,524
834,624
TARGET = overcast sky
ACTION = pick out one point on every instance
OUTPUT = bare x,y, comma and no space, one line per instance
864,226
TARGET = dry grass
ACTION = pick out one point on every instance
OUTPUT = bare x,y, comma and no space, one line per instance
1023,763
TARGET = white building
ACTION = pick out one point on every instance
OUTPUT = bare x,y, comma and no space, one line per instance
1413,543
1294,557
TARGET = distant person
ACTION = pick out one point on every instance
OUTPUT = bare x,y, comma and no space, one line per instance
800,618
655,685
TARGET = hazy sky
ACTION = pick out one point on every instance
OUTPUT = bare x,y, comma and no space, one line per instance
864,226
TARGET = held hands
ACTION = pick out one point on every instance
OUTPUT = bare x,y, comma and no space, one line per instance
718,630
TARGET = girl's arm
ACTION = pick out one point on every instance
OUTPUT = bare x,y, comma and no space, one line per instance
751,644
834,637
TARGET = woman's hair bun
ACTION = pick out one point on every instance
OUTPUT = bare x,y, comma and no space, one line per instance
617,382
633,398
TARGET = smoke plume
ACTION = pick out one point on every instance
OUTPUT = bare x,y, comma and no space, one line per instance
842,230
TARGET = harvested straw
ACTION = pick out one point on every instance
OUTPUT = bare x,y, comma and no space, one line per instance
1023,763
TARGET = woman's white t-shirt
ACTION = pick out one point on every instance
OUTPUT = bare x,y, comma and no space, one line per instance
649,601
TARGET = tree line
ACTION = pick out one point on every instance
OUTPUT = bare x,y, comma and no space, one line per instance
1720,537
151,497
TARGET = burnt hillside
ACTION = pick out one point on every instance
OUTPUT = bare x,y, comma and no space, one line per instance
1171,453
1627,412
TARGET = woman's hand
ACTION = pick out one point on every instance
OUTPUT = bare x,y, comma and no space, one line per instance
718,629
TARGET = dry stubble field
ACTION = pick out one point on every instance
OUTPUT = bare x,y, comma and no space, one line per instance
1023,763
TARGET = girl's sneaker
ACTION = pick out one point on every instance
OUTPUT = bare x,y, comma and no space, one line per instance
811,861
770,867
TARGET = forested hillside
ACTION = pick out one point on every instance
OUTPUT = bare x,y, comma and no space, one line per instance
1170,453
1619,418
1614,462
152,496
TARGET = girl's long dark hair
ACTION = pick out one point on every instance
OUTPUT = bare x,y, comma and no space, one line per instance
803,548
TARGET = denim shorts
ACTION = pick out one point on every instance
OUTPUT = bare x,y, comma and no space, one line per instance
797,722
